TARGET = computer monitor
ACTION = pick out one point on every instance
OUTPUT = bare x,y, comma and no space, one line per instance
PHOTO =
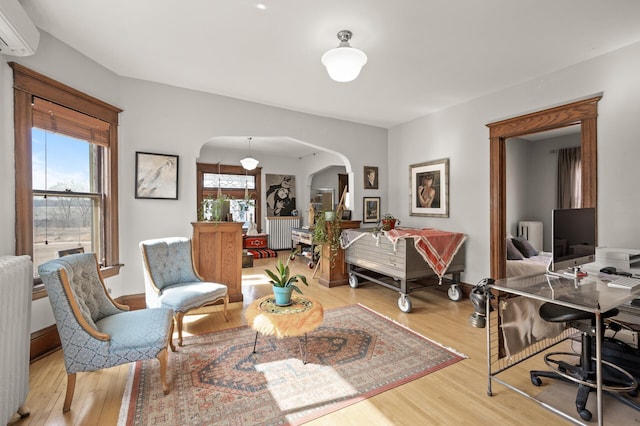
574,239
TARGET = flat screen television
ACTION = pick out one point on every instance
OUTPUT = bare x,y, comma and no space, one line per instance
574,239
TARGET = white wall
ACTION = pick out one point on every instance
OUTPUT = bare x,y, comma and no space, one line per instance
460,133
164,119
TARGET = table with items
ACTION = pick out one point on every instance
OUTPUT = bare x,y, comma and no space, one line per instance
302,316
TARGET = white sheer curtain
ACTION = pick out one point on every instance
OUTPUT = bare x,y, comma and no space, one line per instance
569,178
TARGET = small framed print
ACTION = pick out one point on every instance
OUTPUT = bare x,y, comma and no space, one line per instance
429,188
370,177
371,209
156,176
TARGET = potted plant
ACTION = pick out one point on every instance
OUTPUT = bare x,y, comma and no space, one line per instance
326,231
283,282
389,222
213,209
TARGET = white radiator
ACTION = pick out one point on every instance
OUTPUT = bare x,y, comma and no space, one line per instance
279,230
16,284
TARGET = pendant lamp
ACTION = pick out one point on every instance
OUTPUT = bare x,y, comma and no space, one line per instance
249,163
344,62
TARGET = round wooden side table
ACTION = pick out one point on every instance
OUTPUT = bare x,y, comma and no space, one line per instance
302,316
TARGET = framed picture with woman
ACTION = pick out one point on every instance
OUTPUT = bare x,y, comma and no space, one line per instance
429,188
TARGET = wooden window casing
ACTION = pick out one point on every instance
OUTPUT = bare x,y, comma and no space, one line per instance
27,86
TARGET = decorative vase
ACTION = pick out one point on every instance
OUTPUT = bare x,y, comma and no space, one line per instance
282,295
388,224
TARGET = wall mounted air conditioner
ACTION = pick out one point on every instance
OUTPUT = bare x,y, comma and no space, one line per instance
18,35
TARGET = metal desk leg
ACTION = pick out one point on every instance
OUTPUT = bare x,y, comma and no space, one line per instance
488,325
599,365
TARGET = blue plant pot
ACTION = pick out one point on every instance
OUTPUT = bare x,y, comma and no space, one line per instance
282,295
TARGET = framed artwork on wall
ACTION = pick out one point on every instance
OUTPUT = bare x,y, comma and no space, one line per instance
156,176
429,188
370,177
371,209
281,195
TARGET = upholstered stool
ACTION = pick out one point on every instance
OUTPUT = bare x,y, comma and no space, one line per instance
615,379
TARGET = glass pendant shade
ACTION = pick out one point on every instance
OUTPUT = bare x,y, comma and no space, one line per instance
344,62
249,163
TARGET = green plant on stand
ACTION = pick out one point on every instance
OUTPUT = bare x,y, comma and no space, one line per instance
283,282
212,209
326,231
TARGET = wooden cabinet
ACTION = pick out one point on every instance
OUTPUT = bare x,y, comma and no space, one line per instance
217,252
338,274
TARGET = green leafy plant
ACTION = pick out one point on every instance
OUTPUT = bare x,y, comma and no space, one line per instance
388,222
212,208
281,276
327,232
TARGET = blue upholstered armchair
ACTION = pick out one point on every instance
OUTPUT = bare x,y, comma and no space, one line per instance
171,280
95,331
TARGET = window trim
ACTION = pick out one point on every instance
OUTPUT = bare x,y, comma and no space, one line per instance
26,84
202,168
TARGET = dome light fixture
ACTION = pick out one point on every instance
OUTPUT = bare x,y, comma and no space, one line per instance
249,163
344,62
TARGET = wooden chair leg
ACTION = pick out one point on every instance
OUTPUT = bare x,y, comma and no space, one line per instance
23,411
171,345
179,316
163,357
224,310
71,387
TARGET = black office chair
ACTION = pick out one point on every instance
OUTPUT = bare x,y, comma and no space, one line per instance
615,379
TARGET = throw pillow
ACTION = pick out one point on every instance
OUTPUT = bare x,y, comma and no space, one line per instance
524,246
512,252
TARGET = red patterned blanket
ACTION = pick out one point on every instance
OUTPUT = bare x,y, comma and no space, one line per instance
437,247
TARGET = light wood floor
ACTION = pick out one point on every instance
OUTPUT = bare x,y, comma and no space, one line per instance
454,395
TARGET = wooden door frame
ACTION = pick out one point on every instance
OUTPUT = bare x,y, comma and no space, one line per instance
585,113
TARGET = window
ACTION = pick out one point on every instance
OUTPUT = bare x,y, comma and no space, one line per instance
66,172
67,198
235,183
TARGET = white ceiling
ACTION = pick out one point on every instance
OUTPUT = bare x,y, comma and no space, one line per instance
424,55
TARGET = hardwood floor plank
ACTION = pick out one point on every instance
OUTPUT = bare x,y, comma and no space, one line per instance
455,395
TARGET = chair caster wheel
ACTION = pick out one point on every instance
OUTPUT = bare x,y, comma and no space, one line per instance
535,380
585,414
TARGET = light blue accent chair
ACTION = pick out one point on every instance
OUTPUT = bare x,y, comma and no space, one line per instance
96,332
171,279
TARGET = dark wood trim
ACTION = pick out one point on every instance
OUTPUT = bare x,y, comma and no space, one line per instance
24,195
202,168
585,113
43,342
134,301
28,83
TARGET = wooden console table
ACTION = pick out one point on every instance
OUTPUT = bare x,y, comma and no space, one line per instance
217,252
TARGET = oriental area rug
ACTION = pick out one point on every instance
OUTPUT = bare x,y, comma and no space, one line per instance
216,379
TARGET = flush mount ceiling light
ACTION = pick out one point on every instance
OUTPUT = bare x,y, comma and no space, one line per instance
344,62
249,163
